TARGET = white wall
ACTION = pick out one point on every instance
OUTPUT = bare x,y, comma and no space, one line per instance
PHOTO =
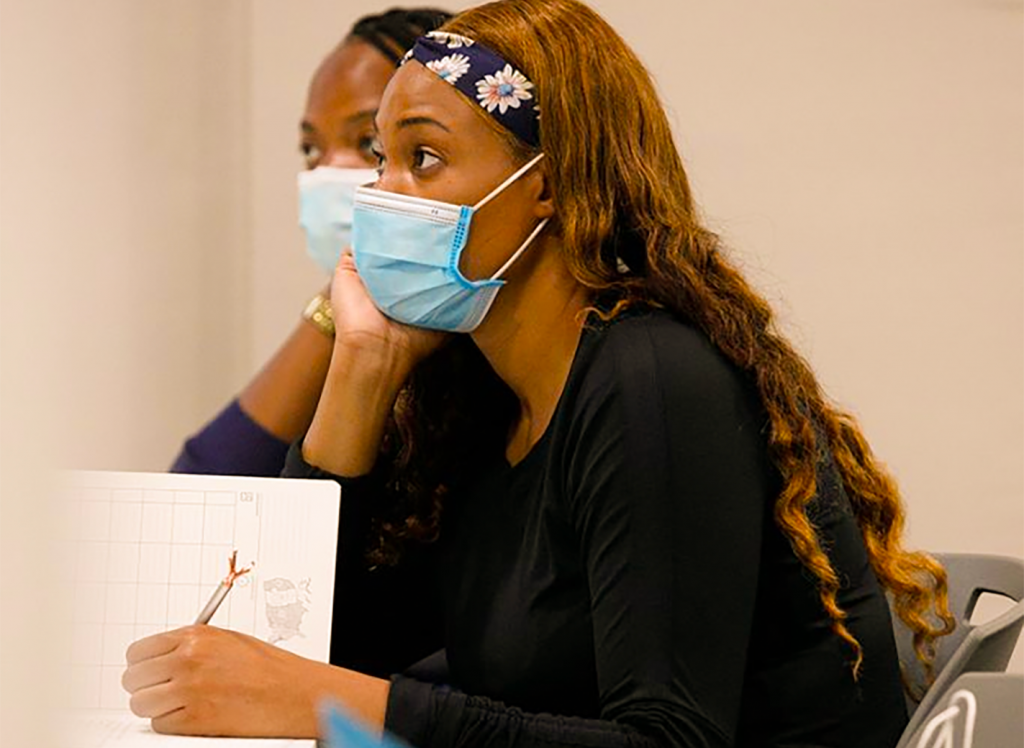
124,282
125,223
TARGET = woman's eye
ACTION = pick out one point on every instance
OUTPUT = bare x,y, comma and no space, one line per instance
424,160
367,149
376,156
311,154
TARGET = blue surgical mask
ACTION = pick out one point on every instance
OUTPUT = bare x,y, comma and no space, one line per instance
325,210
407,252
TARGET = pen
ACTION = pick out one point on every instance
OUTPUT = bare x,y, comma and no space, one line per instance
223,588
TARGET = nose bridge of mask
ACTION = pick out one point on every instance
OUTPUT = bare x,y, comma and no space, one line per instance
326,196
433,210
382,201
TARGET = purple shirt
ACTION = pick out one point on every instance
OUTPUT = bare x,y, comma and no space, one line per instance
232,444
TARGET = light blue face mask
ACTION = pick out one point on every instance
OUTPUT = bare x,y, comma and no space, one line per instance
407,252
325,210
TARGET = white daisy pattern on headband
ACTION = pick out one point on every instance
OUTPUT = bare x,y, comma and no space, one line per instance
406,57
480,74
454,41
506,88
450,68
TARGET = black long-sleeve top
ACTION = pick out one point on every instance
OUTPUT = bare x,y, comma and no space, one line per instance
625,583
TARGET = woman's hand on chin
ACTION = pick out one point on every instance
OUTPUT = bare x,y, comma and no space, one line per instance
363,329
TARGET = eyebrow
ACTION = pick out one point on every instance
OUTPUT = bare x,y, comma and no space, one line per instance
414,121
359,116
369,114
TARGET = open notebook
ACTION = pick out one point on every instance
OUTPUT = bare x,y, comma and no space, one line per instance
148,549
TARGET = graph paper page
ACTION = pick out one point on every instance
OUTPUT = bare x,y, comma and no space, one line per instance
143,554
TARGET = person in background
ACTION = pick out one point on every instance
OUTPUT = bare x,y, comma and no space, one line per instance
555,400
250,436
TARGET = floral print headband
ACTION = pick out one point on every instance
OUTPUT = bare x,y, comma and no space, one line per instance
483,77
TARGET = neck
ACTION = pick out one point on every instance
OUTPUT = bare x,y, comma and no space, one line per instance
530,337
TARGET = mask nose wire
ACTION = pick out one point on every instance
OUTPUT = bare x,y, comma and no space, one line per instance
515,175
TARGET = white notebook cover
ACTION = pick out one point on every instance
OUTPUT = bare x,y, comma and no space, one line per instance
143,552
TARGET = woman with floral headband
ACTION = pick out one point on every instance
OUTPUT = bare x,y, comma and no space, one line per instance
642,521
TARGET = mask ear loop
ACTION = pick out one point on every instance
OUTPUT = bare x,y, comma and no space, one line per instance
497,191
515,175
522,248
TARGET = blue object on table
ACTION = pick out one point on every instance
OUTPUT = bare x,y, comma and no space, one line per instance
341,730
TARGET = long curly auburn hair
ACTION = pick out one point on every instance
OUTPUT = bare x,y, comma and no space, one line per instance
621,193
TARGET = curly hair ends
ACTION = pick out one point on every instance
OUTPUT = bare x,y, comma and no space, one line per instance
740,324
621,194
917,582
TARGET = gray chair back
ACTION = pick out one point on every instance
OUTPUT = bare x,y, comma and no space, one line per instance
986,647
979,710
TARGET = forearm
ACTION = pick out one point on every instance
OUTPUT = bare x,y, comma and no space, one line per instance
282,397
358,395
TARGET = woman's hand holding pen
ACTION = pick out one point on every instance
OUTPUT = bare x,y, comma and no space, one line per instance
199,679
202,680
372,359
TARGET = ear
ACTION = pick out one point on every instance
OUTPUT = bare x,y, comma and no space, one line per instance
539,186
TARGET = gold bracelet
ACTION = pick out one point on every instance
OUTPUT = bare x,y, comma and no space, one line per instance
318,312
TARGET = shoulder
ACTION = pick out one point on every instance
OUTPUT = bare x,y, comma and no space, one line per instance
644,326
648,348
648,380
655,409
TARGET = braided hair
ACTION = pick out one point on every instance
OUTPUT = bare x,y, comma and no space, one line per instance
395,31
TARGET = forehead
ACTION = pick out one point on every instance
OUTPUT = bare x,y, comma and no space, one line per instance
352,78
415,91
